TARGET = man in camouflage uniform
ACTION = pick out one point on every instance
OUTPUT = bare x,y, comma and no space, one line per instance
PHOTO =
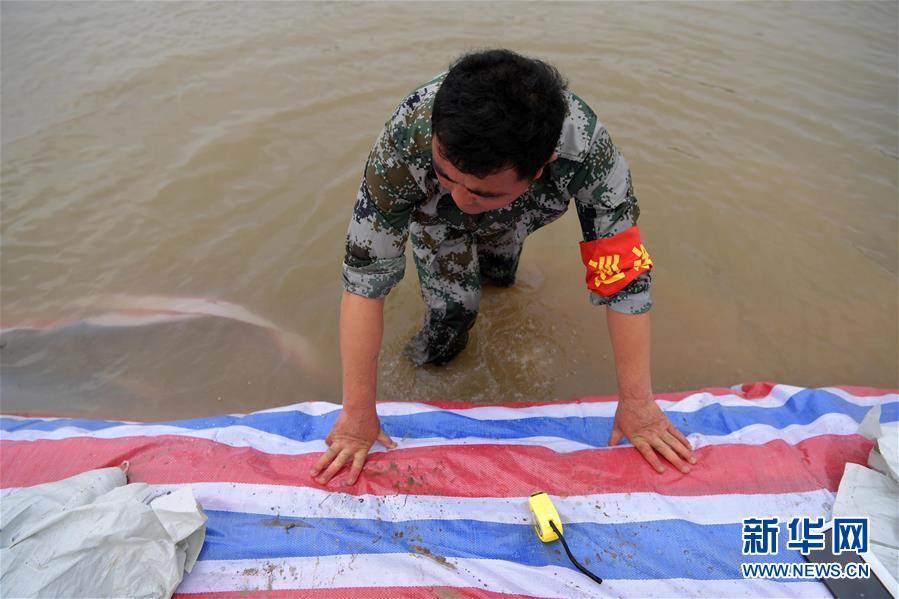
468,217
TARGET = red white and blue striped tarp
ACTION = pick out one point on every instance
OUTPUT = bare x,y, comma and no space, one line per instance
446,513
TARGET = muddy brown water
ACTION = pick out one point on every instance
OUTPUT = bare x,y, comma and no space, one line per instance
214,150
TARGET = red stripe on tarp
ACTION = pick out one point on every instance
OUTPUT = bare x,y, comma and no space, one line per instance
866,391
762,389
758,390
429,592
461,470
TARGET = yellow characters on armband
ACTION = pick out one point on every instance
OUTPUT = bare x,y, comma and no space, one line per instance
613,262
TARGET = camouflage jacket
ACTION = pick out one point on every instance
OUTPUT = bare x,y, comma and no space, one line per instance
400,186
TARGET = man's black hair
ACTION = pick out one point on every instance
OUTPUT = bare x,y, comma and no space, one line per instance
497,109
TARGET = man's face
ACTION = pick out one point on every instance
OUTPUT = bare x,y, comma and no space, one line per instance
474,195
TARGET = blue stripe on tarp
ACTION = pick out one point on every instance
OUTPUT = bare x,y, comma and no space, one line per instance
889,412
802,408
644,550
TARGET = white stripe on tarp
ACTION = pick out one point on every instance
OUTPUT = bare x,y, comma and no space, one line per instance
869,400
499,576
243,436
233,436
759,434
603,508
778,396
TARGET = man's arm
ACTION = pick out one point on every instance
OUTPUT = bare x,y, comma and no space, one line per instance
638,417
373,264
357,426
618,277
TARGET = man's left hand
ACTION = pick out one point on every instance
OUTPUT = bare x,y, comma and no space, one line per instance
650,431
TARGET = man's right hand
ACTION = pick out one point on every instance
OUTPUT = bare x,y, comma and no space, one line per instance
350,438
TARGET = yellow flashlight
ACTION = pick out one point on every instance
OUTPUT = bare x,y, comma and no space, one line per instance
543,510
548,526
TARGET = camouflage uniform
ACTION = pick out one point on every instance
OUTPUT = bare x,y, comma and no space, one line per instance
455,251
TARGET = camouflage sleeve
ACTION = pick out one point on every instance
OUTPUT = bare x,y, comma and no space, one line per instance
374,261
606,205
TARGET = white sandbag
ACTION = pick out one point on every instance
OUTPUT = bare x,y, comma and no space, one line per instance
93,535
873,493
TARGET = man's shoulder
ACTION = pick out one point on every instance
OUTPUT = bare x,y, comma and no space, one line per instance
579,130
410,125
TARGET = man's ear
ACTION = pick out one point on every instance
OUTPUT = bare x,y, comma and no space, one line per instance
540,170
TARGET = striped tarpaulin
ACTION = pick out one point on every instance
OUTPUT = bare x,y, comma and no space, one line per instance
446,513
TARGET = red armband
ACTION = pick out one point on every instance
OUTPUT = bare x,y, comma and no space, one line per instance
613,262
